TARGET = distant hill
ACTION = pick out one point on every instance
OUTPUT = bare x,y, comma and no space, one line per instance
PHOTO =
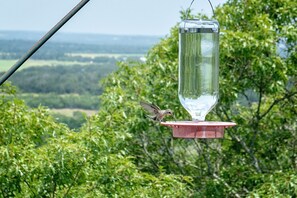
13,44
82,38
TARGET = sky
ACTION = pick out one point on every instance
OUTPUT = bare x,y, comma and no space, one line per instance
118,17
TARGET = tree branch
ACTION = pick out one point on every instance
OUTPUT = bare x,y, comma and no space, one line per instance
30,187
147,153
245,147
170,153
226,185
275,102
205,156
74,180
251,153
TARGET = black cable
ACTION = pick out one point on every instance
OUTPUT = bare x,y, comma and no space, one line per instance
39,43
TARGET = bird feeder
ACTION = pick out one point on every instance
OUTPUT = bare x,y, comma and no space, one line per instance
198,86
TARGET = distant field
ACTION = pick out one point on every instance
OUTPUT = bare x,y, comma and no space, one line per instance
94,55
6,64
69,112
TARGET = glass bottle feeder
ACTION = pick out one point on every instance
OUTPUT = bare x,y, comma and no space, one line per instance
198,89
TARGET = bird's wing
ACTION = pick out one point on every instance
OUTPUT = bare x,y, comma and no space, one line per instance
150,107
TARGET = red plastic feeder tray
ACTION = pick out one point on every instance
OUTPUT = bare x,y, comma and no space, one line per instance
203,129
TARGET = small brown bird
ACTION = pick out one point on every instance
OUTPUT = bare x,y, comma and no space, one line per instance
156,113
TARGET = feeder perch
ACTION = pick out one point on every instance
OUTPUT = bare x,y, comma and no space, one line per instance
198,86
189,129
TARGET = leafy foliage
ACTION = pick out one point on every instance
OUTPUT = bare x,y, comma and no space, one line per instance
119,153
258,92
40,158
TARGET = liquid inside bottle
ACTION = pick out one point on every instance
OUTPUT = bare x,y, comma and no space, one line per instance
198,66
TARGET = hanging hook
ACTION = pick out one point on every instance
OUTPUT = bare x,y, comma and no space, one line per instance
188,10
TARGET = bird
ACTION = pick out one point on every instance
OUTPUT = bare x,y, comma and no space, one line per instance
156,113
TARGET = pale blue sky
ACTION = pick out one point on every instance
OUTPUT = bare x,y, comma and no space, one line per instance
128,17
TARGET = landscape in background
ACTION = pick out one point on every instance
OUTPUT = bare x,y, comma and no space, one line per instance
64,75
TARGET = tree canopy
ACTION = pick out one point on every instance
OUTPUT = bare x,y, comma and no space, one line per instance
119,153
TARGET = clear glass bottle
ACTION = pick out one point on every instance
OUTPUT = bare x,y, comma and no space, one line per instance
198,88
